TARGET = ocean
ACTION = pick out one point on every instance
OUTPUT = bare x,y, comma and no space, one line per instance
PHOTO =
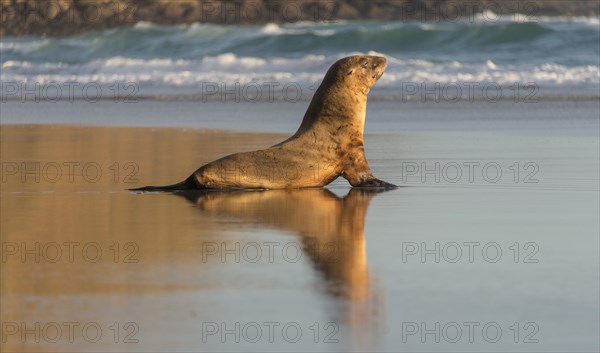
486,57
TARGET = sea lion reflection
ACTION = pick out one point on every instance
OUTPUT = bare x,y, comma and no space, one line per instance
332,228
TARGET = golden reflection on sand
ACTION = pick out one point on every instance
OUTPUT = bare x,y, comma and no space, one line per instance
332,232
332,228
167,230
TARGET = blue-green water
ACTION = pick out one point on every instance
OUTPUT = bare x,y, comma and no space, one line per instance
559,56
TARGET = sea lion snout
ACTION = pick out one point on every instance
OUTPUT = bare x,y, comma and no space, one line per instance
360,71
378,66
378,61
372,67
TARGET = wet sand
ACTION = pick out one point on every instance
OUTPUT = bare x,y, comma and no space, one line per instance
349,269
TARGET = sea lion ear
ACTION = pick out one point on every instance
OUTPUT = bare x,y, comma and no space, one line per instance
350,72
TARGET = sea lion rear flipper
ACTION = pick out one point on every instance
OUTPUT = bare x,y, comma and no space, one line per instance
187,184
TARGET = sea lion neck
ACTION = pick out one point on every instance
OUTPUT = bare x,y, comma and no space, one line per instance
334,106
340,102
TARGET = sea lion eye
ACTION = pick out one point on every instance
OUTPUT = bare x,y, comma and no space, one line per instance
365,64
350,72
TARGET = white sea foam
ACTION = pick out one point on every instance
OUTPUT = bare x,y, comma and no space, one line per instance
489,16
297,29
589,21
271,28
144,25
166,76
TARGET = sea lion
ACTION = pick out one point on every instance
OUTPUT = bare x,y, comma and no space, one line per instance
329,142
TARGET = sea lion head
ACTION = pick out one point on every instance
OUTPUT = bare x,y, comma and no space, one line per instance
358,72
341,99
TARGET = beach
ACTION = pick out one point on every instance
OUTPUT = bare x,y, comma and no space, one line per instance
484,262
488,123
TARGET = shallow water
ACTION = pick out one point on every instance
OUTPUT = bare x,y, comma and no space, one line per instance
480,262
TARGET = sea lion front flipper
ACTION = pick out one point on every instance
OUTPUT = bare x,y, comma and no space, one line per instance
376,183
366,179
359,174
